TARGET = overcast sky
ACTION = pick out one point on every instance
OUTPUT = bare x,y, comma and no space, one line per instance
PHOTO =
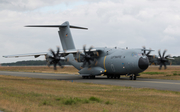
122,23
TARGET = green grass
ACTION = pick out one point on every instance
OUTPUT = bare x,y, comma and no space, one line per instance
94,99
108,103
176,74
153,73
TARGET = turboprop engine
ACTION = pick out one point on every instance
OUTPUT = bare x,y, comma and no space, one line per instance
55,59
87,57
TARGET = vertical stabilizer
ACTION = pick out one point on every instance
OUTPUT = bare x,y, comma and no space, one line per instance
66,37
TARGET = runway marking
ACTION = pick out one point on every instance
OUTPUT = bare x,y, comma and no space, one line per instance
160,82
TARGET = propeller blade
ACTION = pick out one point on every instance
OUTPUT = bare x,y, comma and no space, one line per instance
148,52
159,53
144,50
90,48
164,53
84,49
58,49
168,56
53,52
84,63
165,66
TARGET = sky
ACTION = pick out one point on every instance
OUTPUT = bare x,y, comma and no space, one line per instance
111,23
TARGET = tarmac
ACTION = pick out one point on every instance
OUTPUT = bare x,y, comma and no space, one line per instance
160,84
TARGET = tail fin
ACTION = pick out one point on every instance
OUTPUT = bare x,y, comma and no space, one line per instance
64,34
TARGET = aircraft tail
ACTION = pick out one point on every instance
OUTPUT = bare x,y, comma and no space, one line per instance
64,34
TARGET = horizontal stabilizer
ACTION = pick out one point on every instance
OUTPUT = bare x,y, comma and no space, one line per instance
77,27
56,26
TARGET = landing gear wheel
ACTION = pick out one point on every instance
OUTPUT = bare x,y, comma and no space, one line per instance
130,77
108,76
134,78
83,77
118,77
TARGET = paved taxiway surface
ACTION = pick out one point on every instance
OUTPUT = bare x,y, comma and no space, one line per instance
173,85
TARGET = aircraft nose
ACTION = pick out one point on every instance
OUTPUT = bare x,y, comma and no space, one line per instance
143,63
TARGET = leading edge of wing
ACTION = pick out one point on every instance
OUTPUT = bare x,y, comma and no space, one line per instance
43,53
25,55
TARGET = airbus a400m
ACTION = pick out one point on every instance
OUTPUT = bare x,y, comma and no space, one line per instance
92,62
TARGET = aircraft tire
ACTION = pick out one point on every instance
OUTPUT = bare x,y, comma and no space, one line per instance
130,77
134,78
83,77
108,76
118,76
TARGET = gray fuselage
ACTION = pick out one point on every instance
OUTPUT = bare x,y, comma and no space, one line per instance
122,61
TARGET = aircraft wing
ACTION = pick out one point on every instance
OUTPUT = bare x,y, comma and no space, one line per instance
73,51
26,55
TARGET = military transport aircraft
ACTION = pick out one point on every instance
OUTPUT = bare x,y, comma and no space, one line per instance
92,62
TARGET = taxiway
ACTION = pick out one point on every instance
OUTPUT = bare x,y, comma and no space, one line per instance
173,85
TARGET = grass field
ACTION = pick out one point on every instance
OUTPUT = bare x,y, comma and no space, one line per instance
171,73
20,94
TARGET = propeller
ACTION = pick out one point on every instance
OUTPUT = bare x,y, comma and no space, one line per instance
163,60
144,49
55,58
87,57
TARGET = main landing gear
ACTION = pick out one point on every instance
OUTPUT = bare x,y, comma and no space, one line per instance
132,77
88,77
